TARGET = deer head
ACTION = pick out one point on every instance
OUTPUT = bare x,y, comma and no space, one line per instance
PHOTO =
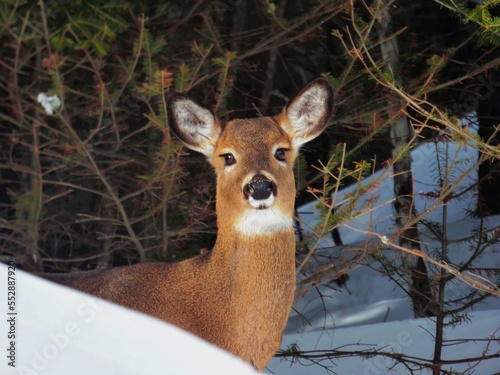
253,158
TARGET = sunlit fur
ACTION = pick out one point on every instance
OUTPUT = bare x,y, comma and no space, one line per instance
239,295
263,221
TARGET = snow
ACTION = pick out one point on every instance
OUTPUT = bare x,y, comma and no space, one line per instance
410,336
374,314
61,331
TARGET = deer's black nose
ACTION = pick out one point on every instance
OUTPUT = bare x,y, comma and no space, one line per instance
259,188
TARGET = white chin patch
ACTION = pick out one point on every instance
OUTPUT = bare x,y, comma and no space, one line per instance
261,204
263,221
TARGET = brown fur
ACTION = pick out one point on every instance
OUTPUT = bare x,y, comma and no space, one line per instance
237,296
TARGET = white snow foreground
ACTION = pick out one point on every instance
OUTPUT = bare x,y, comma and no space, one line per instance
60,331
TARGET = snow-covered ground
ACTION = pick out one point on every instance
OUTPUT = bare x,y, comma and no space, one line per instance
372,313
61,331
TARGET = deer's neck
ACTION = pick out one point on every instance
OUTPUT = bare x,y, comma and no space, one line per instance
259,241
257,258
260,271
260,287
261,252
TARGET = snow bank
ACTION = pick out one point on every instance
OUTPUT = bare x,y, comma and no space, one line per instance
60,331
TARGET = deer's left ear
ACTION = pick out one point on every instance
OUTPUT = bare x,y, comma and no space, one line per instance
306,115
196,126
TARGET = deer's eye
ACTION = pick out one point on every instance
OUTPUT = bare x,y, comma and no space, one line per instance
229,159
280,154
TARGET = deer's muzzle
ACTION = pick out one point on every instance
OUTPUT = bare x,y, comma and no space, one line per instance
260,191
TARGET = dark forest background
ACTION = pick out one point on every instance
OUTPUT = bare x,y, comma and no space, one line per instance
96,180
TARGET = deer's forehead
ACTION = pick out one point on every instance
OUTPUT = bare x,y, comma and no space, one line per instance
255,133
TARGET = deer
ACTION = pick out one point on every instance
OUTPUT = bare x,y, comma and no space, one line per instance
237,296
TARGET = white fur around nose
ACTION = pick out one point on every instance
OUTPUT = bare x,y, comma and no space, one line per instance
266,221
261,203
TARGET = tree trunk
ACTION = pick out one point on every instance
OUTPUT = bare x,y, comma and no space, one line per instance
414,269
488,114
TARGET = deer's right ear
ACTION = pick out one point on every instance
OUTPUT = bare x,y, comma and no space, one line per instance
306,115
195,125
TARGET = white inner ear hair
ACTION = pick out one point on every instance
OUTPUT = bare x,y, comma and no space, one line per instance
267,221
197,123
193,118
308,108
